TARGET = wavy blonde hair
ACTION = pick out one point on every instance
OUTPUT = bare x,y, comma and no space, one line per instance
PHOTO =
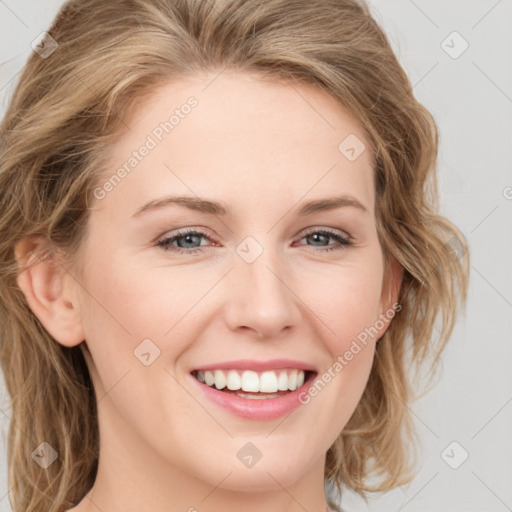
55,138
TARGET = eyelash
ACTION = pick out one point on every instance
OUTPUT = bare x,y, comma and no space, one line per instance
166,242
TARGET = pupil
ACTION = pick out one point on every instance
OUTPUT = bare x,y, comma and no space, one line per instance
317,235
187,237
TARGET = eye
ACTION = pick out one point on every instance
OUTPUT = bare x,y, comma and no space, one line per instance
185,238
321,235
188,241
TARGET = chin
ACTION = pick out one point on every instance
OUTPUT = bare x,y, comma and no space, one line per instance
264,479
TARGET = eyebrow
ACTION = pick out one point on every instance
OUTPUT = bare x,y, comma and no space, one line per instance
219,209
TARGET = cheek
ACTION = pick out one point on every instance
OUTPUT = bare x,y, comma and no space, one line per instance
130,302
124,308
344,301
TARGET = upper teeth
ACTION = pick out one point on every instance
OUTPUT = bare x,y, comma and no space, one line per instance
248,380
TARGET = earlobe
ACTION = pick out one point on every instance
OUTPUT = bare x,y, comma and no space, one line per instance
49,290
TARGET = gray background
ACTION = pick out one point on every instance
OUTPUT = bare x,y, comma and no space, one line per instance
471,99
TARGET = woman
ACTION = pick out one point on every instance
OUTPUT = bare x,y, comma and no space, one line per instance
220,253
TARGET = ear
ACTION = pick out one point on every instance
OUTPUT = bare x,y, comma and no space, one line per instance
392,282
49,289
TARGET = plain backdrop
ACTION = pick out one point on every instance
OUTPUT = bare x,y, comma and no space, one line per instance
458,55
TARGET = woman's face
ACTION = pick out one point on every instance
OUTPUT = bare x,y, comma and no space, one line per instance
257,287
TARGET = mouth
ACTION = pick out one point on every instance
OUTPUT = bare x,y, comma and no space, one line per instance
255,385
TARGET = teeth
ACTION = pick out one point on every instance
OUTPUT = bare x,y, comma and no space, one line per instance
234,381
250,381
268,382
253,396
292,380
300,379
282,381
220,379
208,378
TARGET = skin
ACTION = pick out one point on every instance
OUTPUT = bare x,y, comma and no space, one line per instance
262,148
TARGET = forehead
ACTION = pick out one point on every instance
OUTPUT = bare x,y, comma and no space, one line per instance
239,135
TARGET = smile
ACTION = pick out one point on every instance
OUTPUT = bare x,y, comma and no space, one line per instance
257,393
271,381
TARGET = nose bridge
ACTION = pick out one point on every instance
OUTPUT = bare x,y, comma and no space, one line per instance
263,299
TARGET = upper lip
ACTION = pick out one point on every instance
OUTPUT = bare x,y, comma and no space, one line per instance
248,364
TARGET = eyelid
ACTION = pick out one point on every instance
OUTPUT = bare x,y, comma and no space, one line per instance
200,230
333,231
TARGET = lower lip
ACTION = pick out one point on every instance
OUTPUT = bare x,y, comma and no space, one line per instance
256,409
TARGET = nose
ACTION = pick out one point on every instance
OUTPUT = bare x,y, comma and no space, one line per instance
261,298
